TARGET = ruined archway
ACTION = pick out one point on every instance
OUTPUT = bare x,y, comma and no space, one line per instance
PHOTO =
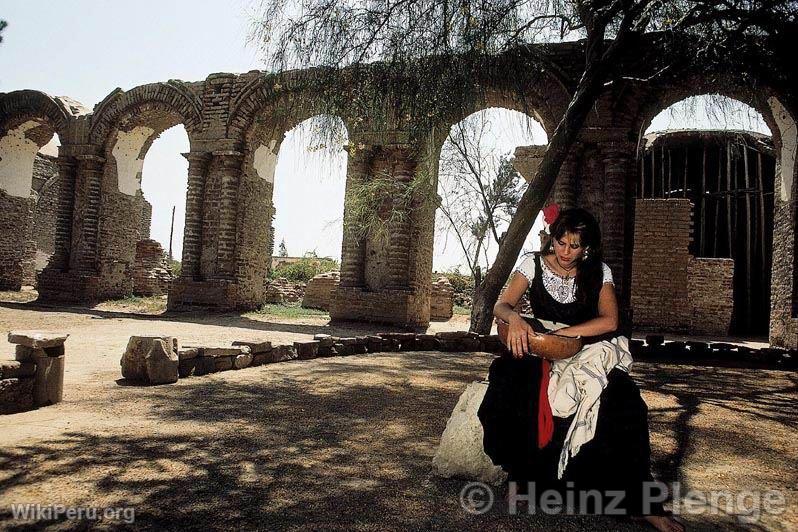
124,126
479,171
736,150
29,120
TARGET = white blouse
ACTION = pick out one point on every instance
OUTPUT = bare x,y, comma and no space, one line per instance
562,290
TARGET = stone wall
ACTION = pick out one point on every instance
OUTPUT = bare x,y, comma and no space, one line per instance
711,291
320,290
151,273
441,302
671,289
146,220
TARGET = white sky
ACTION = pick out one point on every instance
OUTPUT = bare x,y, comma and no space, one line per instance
84,49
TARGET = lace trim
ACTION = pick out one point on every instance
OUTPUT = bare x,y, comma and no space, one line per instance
562,290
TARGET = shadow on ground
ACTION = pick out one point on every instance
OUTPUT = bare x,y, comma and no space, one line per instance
342,443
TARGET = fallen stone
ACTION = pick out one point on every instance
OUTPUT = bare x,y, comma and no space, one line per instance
134,365
187,367
16,395
242,361
261,359
461,453
374,343
14,369
255,348
37,339
426,342
204,366
491,343
162,363
282,353
188,353
28,354
307,350
451,335
222,363
213,352
655,339
325,340
48,381
343,349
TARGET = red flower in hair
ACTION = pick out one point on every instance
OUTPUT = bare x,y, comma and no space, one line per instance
550,213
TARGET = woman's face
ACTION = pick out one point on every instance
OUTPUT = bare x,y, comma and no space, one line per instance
568,249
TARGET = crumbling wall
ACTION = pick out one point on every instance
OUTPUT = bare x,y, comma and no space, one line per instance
441,303
151,273
320,290
671,289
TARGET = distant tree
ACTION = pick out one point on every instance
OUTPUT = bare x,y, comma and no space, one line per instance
3,25
479,191
282,251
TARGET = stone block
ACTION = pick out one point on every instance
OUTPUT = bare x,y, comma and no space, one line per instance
48,381
451,335
28,354
327,351
491,343
134,365
307,350
214,352
343,349
188,353
242,361
204,366
16,395
655,339
283,353
188,367
255,348
426,342
325,340
14,369
374,343
162,363
37,339
222,363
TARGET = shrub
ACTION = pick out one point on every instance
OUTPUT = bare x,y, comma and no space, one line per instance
304,269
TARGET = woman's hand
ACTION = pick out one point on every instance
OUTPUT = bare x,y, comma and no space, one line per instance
518,335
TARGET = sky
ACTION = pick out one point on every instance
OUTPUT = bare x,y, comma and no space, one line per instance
84,49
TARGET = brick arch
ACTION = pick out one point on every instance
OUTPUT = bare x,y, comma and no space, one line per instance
640,107
31,104
172,96
279,96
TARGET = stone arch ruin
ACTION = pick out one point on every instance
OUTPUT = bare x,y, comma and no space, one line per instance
230,117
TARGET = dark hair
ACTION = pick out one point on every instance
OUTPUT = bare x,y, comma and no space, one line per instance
589,274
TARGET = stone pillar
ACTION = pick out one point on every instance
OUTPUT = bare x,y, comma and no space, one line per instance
617,218
229,167
85,227
46,351
67,167
400,162
192,233
353,244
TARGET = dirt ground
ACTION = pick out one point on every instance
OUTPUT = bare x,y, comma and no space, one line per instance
345,442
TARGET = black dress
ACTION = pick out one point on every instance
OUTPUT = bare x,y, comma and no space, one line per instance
618,456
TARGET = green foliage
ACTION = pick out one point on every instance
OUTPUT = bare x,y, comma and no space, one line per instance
304,269
290,311
460,283
175,267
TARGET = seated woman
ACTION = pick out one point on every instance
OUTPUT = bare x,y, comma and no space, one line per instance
598,436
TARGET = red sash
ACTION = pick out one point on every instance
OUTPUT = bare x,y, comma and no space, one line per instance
545,420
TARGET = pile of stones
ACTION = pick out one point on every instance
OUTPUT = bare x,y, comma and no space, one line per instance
161,360
36,375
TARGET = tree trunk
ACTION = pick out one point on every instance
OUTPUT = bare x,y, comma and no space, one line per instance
566,133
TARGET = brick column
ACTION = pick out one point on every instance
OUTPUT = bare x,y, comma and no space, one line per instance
400,161
229,166
67,167
86,224
565,189
353,244
192,234
617,218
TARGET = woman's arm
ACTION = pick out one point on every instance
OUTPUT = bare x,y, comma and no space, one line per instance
519,330
605,322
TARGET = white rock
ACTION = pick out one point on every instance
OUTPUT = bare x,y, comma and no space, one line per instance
460,453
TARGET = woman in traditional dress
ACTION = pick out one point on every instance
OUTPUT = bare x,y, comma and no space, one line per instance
598,436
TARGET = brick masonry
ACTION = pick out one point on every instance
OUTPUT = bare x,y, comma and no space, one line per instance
236,123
